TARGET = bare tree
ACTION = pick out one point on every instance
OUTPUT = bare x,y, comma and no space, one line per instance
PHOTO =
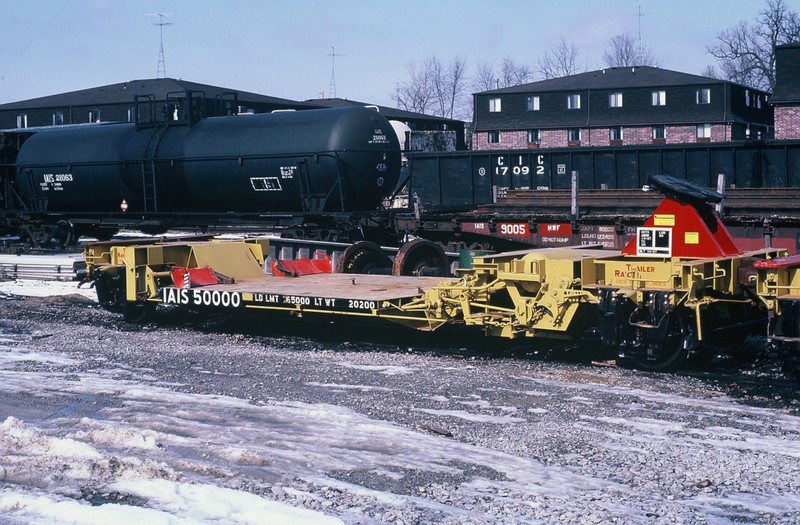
416,93
484,78
624,52
746,55
449,85
510,74
433,88
560,61
712,72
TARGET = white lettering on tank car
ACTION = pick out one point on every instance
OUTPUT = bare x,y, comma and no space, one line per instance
266,183
378,137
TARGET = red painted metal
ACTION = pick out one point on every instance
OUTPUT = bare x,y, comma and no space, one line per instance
697,232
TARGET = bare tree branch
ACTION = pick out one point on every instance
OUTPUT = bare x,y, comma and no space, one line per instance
746,54
560,61
433,88
625,52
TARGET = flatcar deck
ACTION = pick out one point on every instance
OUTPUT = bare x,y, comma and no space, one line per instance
328,293
337,285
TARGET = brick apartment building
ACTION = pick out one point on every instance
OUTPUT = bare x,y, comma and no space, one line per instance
619,106
786,98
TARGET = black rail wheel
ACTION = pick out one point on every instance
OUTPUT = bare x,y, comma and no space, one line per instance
364,257
421,257
110,291
111,295
65,233
662,348
138,312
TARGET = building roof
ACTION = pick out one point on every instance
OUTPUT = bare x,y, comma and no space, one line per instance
124,92
611,78
388,112
787,74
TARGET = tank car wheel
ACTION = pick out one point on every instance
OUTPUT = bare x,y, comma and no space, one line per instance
65,233
421,257
363,257
665,352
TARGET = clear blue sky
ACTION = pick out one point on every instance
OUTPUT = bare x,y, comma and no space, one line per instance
282,47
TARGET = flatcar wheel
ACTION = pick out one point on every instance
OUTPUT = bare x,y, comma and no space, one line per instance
110,291
420,257
363,257
665,352
138,312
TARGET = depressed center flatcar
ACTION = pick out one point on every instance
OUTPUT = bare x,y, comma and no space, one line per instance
679,287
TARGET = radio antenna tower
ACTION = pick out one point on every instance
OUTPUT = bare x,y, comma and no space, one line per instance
332,88
162,66
641,44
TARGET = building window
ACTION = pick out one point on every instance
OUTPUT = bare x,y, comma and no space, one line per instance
533,103
704,131
573,102
494,137
494,105
659,132
22,120
94,115
704,96
535,136
615,100
758,101
58,118
615,133
574,134
747,98
659,98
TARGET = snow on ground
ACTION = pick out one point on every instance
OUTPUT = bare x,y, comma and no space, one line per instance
154,454
32,288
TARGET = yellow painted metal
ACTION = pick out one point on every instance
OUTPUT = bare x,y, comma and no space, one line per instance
775,284
540,293
518,294
532,293
146,265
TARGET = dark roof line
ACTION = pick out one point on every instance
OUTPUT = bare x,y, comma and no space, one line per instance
612,78
124,92
387,111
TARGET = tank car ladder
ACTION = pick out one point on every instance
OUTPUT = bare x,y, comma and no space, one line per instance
149,185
